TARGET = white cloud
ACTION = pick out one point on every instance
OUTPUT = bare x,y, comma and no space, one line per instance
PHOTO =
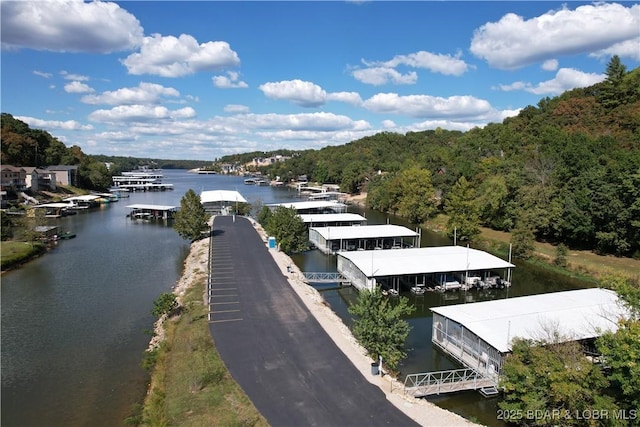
626,49
230,81
139,113
42,74
565,79
171,56
319,121
435,62
514,42
236,109
352,98
53,124
78,77
425,106
117,136
145,93
304,94
388,124
550,65
77,87
68,26
378,76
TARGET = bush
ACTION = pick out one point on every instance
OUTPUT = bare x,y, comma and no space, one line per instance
165,304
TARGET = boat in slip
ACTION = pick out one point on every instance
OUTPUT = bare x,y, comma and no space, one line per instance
418,290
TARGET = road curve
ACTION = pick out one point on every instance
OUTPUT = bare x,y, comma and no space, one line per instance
275,349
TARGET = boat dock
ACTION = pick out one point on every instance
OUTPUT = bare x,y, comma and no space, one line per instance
142,211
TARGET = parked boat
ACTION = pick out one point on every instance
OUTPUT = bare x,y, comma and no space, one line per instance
66,235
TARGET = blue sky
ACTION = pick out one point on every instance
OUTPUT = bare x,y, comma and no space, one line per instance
203,79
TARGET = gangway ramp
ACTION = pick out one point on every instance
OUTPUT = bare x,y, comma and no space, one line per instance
324,277
433,383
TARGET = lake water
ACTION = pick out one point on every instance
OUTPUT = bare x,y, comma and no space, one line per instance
75,322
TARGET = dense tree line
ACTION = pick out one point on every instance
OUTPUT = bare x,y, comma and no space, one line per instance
564,171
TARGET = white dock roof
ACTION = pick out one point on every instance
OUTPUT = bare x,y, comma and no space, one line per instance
438,259
85,198
312,204
365,232
216,196
578,314
153,207
337,217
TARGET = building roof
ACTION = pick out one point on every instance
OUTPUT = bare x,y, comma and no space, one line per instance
153,207
331,217
83,198
217,196
365,232
438,259
578,314
312,204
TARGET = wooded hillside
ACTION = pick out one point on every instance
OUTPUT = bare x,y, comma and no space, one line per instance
566,170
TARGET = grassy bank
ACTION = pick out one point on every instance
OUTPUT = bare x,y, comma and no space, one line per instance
586,265
190,385
14,253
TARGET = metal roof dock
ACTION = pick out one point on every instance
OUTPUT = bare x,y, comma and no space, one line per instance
144,211
218,201
333,220
428,266
313,206
479,334
371,237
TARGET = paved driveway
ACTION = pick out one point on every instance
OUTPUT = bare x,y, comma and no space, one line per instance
275,349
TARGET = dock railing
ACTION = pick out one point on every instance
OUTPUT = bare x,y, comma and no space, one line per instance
323,277
429,383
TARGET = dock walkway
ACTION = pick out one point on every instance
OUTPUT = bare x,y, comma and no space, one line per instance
433,383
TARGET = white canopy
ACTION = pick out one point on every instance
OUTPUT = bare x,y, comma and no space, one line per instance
364,232
218,196
438,259
579,314
153,207
313,204
337,217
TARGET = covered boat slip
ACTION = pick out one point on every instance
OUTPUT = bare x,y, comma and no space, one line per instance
220,201
313,207
365,237
479,335
142,211
333,220
429,267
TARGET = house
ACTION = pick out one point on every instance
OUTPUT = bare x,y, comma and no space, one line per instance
14,178
65,174
40,179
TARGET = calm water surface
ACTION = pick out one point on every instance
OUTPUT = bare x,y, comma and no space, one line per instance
74,321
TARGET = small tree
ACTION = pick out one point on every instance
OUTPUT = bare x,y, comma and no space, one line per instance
379,326
192,219
264,216
463,210
288,229
561,255
164,304
522,239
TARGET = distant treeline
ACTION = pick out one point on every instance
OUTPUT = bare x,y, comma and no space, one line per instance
567,170
23,146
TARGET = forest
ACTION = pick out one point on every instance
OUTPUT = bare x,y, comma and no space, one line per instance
565,171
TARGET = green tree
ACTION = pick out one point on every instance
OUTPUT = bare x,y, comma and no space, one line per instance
416,198
379,326
191,220
561,255
463,211
289,230
543,377
264,215
522,239
621,349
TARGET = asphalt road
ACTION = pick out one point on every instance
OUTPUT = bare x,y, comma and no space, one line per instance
275,349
